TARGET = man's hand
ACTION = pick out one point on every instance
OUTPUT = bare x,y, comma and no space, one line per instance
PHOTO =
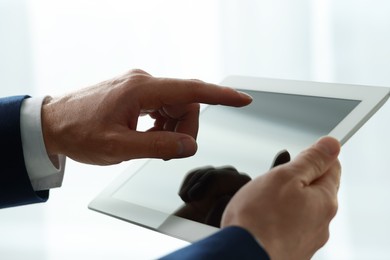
97,125
289,209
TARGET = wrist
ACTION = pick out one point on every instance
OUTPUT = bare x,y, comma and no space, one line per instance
47,121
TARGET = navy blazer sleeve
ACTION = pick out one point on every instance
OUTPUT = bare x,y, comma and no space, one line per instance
15,185
228,243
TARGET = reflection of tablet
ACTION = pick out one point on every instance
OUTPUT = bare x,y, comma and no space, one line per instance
284,114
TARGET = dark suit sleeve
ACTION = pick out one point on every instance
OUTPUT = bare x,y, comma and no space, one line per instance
15,185
229,243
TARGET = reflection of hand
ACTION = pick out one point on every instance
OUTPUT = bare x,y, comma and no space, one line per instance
98,124
289,209
206,192
281,158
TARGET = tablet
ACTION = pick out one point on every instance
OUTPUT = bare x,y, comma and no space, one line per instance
185,198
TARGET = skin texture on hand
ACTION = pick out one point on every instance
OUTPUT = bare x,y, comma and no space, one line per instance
288,209
97,125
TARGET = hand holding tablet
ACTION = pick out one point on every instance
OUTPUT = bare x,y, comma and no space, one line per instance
284,114
288,209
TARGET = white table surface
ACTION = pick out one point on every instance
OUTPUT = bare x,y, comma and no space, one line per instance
64,228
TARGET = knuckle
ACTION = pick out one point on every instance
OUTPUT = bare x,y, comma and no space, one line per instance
329,204
136,72
136,76
324,238
111,151
159,147
109,148
314,159
332,208
194,86
197,81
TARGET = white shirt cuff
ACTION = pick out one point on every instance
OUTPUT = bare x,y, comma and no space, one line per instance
43,173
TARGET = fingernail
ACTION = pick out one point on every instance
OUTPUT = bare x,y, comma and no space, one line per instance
245,95
187,147
328,145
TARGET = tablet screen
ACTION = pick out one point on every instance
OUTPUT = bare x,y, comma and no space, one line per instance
245,138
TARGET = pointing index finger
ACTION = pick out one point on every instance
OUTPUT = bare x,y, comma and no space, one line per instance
167,91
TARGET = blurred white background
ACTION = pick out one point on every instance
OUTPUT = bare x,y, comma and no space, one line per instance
51,47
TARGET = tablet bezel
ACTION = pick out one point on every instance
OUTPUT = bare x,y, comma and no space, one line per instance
371,99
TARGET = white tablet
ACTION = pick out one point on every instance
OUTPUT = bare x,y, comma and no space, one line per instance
185,198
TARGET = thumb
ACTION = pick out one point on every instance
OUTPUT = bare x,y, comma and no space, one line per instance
316,160
161,144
